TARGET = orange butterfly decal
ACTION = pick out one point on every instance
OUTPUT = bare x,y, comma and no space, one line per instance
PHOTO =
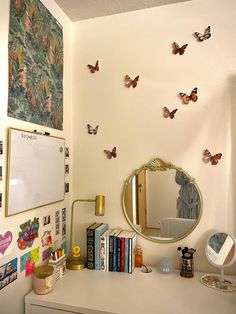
111,154
169,114
214,159
186,98
129,82
205,36
94,68
92,130
178,49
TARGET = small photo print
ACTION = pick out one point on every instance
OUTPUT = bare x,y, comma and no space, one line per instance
46,220
67,187
0,173
67,169
57,222
1,148
0,200
67,153
8,273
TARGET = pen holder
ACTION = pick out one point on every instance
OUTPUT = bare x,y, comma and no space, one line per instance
186,267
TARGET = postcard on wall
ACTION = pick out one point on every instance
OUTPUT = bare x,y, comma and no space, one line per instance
1,148
8,273
35,52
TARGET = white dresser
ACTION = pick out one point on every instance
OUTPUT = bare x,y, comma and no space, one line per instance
91,291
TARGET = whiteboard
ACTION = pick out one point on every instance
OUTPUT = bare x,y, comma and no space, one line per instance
35,170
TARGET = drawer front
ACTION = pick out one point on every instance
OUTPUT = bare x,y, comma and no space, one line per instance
36,309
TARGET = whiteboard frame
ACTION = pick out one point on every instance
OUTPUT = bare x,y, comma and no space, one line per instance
7,214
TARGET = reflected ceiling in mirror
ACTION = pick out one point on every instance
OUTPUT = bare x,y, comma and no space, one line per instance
162,202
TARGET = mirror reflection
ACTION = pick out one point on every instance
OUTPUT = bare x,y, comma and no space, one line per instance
162,202
220,249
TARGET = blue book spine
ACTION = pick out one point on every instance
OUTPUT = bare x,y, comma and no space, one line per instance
126,255
98,232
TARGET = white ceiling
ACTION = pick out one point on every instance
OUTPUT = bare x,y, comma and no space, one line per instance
85,9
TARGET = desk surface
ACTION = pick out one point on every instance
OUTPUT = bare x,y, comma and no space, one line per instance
91,291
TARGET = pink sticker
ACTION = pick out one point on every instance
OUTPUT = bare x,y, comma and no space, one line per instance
5,241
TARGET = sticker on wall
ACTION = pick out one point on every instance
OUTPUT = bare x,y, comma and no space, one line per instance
111,153
92,130
205,36
177,49
0,173
23,260
57,222
63,224
67,169
8,273
45,238
29,268
29,231
34,255
5,242
186,98
67,152
169,114
0,200
1,148
208,157
46,254
46,220
67,187
129,82
93,68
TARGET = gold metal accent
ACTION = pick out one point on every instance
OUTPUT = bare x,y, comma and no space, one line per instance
78,263
158,164
8,170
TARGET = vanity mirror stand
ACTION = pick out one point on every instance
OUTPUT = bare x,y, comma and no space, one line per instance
220,252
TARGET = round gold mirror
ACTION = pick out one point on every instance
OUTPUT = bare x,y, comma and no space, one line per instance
162,202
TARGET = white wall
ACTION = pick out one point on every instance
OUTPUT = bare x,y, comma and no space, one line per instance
139,43
12,296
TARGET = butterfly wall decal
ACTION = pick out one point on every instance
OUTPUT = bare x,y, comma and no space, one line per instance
186,98
111,153
208,157
177,49
92,130
205,36
169,114
93,68
129,82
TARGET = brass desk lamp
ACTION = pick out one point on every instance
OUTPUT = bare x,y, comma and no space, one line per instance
74,260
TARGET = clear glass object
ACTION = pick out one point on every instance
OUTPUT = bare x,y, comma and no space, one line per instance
138,256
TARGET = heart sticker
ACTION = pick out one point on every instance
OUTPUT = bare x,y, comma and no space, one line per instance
5,241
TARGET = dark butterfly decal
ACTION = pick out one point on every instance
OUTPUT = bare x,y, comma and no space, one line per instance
178,49
214,159
111,154
186,98
129,82
205,36
169,114
92,130
94,68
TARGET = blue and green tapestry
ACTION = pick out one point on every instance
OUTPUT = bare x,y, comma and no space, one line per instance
35,65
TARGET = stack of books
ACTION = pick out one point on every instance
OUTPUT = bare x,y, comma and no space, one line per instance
110,249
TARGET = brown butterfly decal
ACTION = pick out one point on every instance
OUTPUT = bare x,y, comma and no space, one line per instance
214,159
94,68
129,82
205,36
111,154
178,49
169,114
186,98
92,130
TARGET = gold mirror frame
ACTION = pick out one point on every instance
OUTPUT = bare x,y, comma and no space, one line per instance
158,164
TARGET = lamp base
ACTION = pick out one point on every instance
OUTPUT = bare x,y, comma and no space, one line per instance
75,263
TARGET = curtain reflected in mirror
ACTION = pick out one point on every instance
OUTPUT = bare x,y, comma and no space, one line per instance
162,202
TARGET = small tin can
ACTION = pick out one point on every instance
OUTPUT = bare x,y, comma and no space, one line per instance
43,279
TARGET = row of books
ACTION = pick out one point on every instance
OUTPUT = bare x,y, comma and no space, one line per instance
110,249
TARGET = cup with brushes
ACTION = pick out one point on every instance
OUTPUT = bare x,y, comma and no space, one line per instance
186,261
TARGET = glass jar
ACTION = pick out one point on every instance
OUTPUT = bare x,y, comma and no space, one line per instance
138,256
43,279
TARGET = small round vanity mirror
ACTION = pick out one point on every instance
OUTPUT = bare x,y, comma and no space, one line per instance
162,202
220,252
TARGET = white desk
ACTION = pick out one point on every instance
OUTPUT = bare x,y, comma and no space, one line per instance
91,291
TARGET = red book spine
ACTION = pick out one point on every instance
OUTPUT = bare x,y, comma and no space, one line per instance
122,254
